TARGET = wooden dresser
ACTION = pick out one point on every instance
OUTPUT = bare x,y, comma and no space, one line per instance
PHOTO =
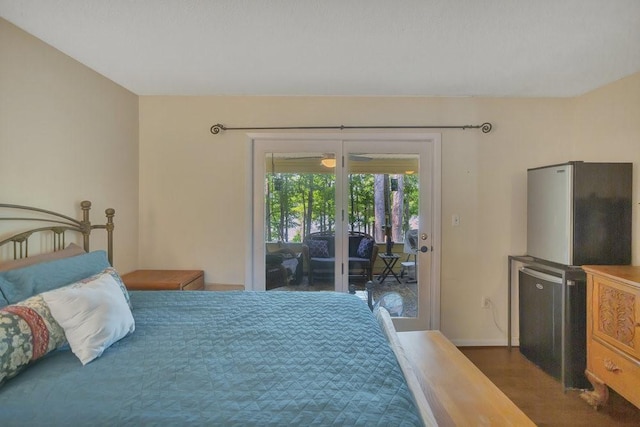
156,280
613,320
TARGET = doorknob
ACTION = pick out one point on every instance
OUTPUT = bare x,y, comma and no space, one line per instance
423,236
424,249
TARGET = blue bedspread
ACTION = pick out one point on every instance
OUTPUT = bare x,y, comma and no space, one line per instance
224,358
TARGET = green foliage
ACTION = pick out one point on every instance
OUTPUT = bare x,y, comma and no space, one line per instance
361,202
299,203
411,196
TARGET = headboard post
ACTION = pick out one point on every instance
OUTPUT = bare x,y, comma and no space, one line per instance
85,224
110,226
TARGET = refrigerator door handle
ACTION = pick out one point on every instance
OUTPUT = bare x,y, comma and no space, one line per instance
540,275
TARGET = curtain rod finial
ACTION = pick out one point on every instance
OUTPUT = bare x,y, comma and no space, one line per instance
215,129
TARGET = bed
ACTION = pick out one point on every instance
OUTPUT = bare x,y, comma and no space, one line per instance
185,358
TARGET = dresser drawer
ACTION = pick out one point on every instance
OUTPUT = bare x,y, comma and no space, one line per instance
618,372
614,307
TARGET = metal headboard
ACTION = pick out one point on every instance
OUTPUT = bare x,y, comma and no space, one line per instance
58,224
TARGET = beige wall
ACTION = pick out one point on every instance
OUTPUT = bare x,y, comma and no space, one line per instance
194,201
67,134
194,184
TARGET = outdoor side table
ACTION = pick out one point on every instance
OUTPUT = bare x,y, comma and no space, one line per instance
389,262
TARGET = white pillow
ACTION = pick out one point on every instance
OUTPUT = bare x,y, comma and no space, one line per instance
93,314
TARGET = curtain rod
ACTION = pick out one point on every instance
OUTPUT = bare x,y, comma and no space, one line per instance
217,128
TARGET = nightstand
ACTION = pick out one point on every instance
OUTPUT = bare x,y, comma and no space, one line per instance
159,280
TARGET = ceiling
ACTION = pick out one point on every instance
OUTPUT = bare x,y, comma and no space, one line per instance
497,48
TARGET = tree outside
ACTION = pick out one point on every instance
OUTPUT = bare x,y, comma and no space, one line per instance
301,203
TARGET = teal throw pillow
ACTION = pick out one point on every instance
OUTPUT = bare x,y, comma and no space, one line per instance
22,283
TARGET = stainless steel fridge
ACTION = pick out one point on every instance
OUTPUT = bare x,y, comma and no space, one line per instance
578,213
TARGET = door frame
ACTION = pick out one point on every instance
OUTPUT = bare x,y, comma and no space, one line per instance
254,262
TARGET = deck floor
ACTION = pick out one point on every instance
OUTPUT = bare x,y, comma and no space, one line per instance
404,293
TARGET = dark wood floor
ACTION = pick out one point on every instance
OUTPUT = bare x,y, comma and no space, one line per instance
541,397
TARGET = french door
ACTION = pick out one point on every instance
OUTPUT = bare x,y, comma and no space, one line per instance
316,197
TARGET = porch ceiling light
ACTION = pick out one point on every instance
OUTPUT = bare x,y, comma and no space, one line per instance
328,162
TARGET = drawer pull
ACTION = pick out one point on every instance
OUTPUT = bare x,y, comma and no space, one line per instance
610,366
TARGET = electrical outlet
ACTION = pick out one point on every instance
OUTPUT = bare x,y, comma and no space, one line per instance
486,303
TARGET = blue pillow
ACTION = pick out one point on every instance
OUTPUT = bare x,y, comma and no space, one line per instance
22,283
318,248
365,247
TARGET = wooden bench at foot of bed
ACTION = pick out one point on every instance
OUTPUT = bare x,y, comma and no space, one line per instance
457,391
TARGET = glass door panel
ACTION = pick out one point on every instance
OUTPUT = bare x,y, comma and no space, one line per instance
383,203
300,221
387,196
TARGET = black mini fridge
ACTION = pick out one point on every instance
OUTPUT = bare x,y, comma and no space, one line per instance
542,341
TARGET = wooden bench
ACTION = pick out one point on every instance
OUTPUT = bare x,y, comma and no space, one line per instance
457,391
